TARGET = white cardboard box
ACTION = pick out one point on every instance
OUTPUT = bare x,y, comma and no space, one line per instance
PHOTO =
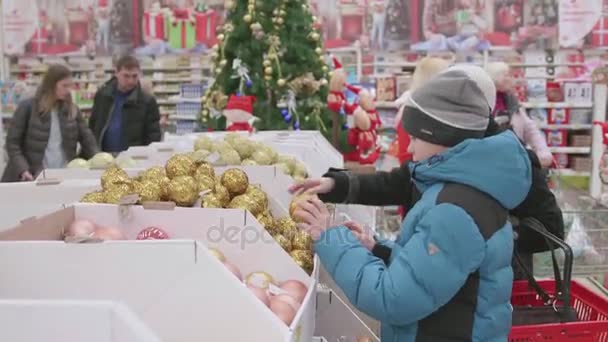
55,320
176,286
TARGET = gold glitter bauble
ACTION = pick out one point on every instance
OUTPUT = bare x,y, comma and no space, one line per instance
150,191
93,197
304,259
204,169
268,70
268,223
258,195
211,201
235,181
116,193
180,165
293,206
302,240
112,175
244,202
247,18
205,183
153,173
136,186
183,191
281,82
221,193
284,242
163,182
286,226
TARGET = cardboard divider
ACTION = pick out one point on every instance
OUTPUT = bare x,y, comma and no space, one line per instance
162,281
67,320
75,174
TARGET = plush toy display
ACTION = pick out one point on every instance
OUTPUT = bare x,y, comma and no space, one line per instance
363,135
239,113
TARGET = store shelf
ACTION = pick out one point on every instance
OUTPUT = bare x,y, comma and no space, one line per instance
572,127
571,150
555,105
570,172
545,65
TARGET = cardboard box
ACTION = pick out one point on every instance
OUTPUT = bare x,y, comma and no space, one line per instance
177,287
582,164
59,320
580,140
559,116
386,88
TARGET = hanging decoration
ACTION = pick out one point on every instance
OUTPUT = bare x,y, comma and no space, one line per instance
242,73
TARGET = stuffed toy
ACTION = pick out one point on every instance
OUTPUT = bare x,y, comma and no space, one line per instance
336,101
239,113
363,135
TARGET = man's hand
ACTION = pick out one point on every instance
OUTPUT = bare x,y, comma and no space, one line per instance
26,176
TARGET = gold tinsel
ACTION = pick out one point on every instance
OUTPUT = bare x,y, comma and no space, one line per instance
284,242
302,240
183,191
93,197
304,259
305,84
180,165
113,175
235,181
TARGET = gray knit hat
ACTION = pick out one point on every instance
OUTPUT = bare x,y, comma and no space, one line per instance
453,106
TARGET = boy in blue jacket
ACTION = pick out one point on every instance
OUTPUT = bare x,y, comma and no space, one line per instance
448,275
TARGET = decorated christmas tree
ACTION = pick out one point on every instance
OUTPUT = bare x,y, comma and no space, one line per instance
271,54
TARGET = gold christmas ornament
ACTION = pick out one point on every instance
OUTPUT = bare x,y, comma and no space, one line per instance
150,192
205,169
180,165
267,223
319,51
113,175
205,182
235,181
282,12
284,242
275,12
280,21
315,36
314,19
267,63
255,27
322,59
247,18
281,82
258,195
218,71
325,68
293,206
222,193
286,226
243,202
93,197
272,56
183,190
250,7
220,36
268,70
267,77
323,81
304,259
223,63
211,201
163,182
302,240
116,193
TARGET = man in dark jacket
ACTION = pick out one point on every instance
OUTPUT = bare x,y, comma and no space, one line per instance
396,188
123,114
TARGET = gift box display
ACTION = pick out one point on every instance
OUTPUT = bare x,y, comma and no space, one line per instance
557,138
206,22
182,30
78,25
155,25
559,116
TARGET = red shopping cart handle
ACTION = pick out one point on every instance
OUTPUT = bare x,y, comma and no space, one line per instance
604,126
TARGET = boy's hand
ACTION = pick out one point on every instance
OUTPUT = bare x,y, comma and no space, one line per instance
314,216
365,236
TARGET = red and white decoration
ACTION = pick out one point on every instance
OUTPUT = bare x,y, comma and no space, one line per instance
239,113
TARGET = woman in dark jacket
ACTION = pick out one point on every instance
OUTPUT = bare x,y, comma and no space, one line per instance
396,188
46,129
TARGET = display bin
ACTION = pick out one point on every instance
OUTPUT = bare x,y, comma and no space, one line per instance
58,320
21,201
178,287
591,308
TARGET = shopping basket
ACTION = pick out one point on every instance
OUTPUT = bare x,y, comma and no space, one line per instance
566,310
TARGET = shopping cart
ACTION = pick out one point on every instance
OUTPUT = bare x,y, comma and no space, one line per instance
560,309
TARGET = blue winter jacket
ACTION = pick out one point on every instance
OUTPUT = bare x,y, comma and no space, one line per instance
449,274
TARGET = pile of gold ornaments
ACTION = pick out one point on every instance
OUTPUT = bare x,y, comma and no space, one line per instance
236,149
182,181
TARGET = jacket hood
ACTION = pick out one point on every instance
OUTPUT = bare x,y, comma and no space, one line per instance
498,166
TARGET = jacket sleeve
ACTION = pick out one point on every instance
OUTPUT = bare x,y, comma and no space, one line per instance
94,113
535,139
152,124
424,274
379,189
15,137
86,139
